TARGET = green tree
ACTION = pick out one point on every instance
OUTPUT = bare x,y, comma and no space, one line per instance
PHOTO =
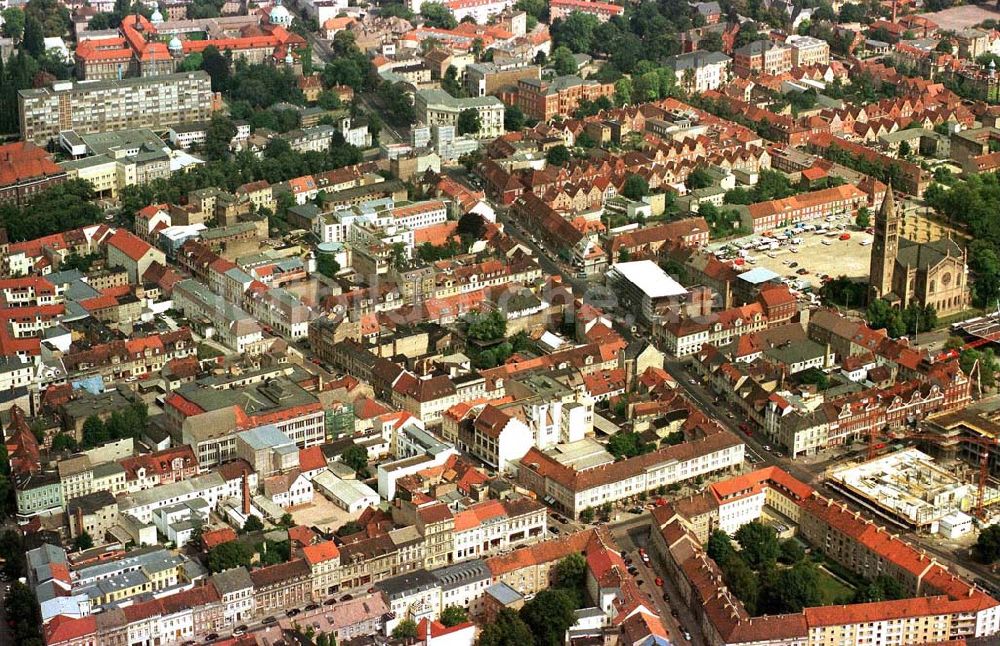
576,32
699,178
22,610
741,580
549,615
571,576
557,155
253,524
52,15
627,444
83,542
191,63
405,629
469,122
562,61
796,588
635,187
791,551
218,136
881,314
228,555
987,547
287,521
348,528
399,108
513,119
34,37
217,67
623,91
453,616
759,543
63,442
720,546
328,100
356,457
712,42
94,432
863,219
437,15
507,630
587,515
13,23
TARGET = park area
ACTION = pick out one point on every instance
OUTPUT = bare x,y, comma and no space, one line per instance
774,576
832,590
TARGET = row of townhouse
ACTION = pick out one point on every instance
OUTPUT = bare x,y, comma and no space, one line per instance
909,388
118,360
708,449
815,205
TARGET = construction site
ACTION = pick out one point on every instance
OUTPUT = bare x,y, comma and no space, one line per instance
911,489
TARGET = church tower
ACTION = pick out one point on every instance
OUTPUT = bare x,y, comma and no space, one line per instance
884,246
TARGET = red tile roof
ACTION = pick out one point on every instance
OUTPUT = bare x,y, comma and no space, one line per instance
129,244
311,459
64,629
321,552
23,160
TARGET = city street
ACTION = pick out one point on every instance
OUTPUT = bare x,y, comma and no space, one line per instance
630,536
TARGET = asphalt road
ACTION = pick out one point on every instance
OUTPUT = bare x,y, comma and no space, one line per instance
512,228
666,600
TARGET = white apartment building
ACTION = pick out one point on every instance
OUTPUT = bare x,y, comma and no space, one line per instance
700,71
493,526
575,491
438,108
419,215
210,487
807,50
481,11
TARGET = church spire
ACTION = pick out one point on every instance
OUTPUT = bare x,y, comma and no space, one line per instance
885,245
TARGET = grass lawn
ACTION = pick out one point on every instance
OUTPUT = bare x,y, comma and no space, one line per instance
832,590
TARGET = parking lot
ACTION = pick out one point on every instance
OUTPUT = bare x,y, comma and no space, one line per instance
818,254
321,513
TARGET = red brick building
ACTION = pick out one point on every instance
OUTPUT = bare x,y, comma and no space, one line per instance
26,169
543,99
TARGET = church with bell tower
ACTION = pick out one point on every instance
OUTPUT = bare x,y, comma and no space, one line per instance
902,271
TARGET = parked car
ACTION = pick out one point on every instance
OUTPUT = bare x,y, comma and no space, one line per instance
271,620
659,582
845,236
211,638
293,612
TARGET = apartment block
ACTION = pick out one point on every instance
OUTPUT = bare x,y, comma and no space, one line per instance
438,108
487,79
544,99
603,11
145,102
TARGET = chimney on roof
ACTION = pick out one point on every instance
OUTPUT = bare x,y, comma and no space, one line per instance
246,495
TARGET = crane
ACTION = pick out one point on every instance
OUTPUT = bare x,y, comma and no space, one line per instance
984,460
